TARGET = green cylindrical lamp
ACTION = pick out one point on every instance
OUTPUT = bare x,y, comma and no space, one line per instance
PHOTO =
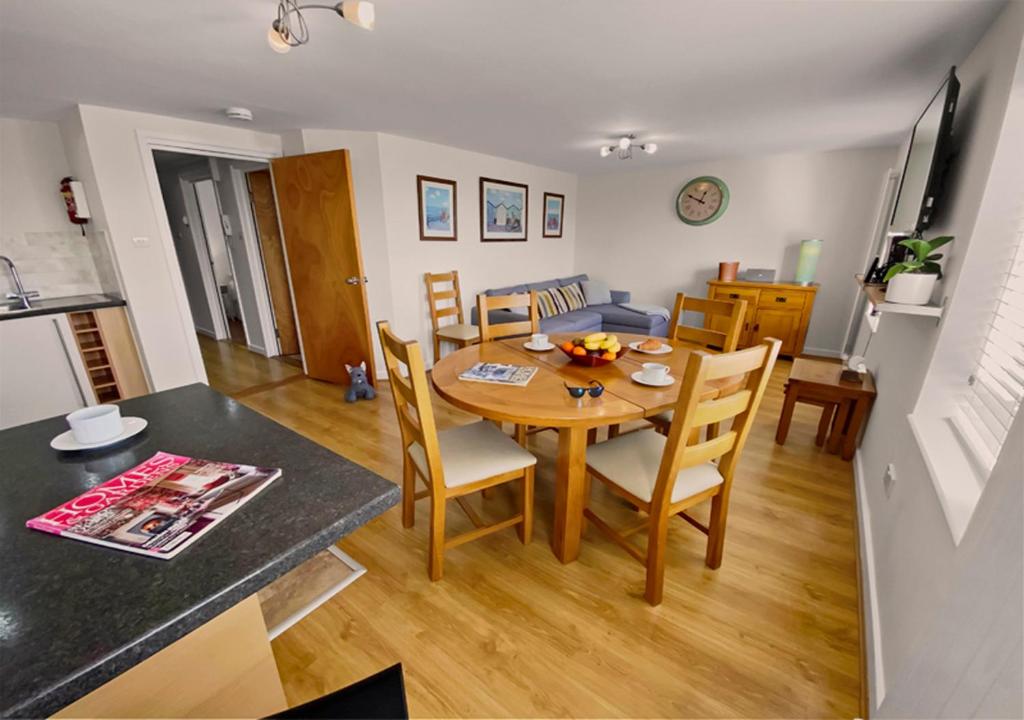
810,251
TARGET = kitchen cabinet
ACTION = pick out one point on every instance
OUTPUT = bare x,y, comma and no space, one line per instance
41,371
778,310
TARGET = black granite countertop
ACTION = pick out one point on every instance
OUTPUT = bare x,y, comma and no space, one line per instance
57,305
74,615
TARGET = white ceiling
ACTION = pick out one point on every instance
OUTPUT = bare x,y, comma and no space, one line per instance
544,81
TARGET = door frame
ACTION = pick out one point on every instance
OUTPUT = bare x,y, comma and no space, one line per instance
201,243
240,181
148,142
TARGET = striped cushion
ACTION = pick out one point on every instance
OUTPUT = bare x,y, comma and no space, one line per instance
550,302
574,297
558,300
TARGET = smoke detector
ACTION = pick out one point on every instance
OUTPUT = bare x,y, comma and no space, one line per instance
239,113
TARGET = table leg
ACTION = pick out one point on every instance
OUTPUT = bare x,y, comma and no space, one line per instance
860,411
570,482
835,438
827,410
788,406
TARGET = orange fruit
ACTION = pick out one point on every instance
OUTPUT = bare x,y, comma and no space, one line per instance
578,350
568,346
608,356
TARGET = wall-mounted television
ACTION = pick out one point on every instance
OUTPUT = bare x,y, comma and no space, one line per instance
929,154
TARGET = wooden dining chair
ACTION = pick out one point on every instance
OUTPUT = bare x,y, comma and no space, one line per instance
496,331
665,476
451,463
725,315
444,303
724,319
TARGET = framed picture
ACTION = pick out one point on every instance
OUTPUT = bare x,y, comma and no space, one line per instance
438,219
554,207
502,210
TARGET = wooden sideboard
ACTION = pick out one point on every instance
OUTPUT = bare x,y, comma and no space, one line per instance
779,310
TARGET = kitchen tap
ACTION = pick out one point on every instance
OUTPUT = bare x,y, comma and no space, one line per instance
22,294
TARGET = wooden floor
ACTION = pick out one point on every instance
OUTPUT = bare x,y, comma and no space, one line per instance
510,632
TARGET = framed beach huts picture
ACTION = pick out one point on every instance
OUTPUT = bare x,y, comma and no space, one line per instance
554,208
437,208
502,210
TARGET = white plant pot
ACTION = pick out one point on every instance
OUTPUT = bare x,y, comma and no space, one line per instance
911,288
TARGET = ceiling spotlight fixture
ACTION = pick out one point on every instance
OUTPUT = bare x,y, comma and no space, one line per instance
625,146
289,28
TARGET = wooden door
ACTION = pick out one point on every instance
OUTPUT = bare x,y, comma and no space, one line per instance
781,324
264,211
316,204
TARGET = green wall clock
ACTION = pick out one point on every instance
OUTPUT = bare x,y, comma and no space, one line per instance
702,200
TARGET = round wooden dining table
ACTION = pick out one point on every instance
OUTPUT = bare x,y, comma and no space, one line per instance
544,402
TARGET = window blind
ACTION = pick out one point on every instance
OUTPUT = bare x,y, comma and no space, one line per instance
985,410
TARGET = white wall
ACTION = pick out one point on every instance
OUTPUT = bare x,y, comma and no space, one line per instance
629,233
949,615
52,255
384,169
481,265
108,140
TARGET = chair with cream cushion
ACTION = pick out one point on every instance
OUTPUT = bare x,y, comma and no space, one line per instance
446,303
451,463
664,476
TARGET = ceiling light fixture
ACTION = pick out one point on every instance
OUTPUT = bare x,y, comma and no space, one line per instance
625,146
289,28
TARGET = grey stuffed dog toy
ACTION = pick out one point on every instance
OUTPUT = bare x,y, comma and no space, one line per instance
359,388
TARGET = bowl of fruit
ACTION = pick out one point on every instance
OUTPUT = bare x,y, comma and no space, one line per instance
594,350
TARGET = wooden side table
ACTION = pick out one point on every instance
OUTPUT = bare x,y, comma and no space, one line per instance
819,383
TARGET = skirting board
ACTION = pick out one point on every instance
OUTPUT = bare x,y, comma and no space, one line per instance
822,352
869,592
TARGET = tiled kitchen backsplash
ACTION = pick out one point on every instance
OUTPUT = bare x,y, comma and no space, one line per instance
58,263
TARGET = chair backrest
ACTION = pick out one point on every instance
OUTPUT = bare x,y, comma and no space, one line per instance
486,303
412,399
691,412
724,318
444,302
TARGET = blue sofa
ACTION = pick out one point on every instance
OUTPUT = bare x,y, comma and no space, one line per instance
593,318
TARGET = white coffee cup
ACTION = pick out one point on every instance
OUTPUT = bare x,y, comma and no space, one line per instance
539,340
654,373
95,424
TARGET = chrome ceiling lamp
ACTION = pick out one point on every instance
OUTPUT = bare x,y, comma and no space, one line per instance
625,147
289,29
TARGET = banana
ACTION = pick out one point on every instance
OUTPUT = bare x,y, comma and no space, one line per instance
615,348
609,341
595,337
592,346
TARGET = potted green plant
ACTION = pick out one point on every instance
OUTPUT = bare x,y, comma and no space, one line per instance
911,282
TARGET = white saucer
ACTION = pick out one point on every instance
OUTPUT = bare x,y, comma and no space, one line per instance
638,377
66,441
530,346
665,349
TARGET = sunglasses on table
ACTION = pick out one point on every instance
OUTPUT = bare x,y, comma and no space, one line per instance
595,389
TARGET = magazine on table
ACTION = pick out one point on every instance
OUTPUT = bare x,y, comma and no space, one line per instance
499,373
157,508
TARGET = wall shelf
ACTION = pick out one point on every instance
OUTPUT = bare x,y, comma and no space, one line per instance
876,296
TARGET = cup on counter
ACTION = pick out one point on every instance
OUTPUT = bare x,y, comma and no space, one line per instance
654,373
539,340
95,424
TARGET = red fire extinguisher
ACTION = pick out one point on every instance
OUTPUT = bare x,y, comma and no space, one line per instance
74,200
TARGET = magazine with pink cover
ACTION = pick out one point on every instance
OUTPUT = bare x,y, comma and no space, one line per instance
157,508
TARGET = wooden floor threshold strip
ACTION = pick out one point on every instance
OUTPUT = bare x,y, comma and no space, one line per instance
256,389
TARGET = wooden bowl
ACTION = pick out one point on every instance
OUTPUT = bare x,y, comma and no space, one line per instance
589,360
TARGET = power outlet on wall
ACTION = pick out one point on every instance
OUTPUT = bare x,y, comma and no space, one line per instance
889,480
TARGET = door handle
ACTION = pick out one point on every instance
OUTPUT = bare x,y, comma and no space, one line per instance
354,280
